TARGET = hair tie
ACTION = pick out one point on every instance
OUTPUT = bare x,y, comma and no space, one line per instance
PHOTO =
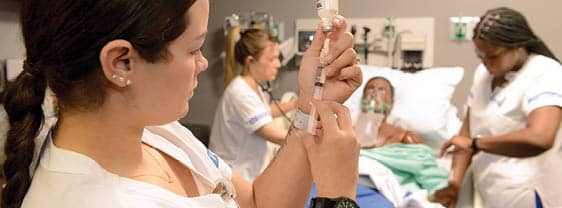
31,70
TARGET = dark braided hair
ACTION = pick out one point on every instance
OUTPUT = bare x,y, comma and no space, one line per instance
508,28
63,39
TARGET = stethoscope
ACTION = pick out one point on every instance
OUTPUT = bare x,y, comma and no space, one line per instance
266,87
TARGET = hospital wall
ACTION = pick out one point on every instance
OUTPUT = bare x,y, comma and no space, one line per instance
543,17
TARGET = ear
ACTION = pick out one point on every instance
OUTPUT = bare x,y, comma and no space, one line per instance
115,59
248,60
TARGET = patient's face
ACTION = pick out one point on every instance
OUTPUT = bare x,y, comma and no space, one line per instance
383,89
498,60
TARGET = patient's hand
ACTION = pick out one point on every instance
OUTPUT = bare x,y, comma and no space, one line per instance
447,196
391,134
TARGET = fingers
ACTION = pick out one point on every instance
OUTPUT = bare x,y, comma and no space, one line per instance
327,110
338,46
445,147
353,75
317,43
343,117
326,115
340,24
347,58
340,40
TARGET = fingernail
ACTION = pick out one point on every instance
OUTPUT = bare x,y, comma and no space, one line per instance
338,21
329,71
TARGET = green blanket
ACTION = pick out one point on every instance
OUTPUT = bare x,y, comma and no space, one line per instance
414,166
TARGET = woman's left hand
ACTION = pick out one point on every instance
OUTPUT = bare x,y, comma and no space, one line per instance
343,75
460,144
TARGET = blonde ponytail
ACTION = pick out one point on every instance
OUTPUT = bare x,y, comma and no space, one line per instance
230,65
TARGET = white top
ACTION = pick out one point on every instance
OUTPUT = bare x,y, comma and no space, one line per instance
69,179
506,181
240,113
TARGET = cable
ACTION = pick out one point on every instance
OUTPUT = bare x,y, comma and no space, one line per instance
267,89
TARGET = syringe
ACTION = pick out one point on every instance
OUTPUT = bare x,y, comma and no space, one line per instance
319,80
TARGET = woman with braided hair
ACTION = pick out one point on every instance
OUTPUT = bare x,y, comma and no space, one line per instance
512,120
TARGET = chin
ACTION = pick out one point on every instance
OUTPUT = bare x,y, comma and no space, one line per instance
184,112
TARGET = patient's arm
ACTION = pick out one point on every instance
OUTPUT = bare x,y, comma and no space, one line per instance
392,134
448,196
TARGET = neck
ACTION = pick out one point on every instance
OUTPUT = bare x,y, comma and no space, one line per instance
104,135
251,81
521,61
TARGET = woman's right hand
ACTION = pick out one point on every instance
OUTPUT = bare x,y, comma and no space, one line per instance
333,153
447,196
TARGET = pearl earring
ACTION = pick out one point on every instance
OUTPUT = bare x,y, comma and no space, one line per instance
127,82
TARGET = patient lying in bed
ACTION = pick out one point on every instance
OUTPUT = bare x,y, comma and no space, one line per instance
378,97
398,164
400,150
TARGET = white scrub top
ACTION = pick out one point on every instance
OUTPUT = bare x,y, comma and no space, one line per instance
239,114
506,181
69,179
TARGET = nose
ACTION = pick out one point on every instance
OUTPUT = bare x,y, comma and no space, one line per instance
202,64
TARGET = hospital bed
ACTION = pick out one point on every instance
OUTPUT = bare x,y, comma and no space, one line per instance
422,104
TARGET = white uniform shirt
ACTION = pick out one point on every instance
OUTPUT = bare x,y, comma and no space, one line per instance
506,181
239,114
67,179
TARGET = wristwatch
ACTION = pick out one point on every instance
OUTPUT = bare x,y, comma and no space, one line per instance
474,146
341,202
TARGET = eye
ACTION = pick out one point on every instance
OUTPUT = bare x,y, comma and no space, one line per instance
196,52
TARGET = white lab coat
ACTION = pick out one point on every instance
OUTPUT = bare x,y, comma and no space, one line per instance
67,179
240,113
506,181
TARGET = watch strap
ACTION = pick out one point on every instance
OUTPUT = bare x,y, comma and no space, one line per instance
474,146
340,202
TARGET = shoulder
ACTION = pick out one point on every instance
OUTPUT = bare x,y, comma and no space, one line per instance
238,89
481,73
72,190
183,139
540,65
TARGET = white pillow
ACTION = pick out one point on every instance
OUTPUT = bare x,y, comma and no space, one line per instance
422,101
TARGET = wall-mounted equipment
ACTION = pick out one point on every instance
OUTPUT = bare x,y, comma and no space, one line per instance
462,28
409,51
381,39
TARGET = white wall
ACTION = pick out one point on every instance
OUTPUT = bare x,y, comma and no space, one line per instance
11,45
542,16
